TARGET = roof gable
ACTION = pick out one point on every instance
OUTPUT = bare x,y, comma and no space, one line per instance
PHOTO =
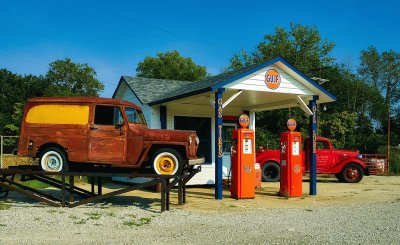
157,91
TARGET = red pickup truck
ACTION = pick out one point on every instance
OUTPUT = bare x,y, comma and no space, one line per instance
347,165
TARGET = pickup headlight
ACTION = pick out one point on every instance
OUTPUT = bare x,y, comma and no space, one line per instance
359,156
190,140
197,140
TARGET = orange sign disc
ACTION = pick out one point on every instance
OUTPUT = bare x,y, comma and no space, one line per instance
272,79
291,124
244,121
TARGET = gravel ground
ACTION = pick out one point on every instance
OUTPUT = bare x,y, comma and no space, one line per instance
116,222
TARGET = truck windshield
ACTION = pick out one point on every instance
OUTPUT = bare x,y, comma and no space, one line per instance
135,116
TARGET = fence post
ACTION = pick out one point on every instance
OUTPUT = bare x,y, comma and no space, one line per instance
1,152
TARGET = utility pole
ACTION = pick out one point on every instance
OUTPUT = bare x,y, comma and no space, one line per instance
388,143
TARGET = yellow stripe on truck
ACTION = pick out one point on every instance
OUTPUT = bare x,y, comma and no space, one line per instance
58,114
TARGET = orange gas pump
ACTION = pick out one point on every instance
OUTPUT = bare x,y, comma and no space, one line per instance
243,159
291,162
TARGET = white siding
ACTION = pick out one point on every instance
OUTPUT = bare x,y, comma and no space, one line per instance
255,82
155,117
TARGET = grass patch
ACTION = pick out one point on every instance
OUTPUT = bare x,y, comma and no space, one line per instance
4,206
94,215
80,222
3,225
35,184
135,222
73,217
111,214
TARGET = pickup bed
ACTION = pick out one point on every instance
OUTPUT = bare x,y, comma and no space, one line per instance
347,165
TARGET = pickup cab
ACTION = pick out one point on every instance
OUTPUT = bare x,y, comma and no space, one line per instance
347,165
79,130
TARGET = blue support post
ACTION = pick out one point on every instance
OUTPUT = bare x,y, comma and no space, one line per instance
163,117
313,146
218,143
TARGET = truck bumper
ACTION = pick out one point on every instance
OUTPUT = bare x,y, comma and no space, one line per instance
197,161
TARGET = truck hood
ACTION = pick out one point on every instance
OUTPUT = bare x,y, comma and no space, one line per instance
342,155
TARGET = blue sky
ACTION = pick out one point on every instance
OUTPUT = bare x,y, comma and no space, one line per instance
113,36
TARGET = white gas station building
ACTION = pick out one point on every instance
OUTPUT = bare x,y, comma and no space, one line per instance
211,107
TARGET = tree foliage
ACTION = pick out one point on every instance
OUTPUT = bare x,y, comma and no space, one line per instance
71,79
171,65
300,45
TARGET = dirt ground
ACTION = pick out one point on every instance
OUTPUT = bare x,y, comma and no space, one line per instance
329,192
362,213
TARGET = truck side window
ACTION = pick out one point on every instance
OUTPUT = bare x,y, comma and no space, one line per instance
108,115
322,146
135,116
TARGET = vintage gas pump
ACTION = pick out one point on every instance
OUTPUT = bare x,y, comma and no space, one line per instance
291,162
243,159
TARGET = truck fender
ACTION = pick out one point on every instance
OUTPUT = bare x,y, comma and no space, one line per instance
358,161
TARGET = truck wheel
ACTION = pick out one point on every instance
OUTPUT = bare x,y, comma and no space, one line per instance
352,173
271,172
53,159
167,162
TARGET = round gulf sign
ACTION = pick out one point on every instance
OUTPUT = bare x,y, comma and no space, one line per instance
244,121
272,79
291,124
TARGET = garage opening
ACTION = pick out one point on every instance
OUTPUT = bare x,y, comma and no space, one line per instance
202,126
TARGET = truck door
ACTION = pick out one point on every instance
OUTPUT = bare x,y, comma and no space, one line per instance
137,127
324,157
107,139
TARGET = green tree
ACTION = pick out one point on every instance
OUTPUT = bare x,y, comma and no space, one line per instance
67,78
382,71
171,65
300,45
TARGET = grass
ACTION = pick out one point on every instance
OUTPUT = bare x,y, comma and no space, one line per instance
80,222
13,160
72,216
94,215
139,222
5,206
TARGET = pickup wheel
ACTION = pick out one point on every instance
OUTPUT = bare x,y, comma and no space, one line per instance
53,160
271,172
352,173
167,162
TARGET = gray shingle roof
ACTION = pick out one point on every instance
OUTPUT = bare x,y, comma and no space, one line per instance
150,89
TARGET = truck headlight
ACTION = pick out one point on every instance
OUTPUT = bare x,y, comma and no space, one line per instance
197,140
190,140
359,156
